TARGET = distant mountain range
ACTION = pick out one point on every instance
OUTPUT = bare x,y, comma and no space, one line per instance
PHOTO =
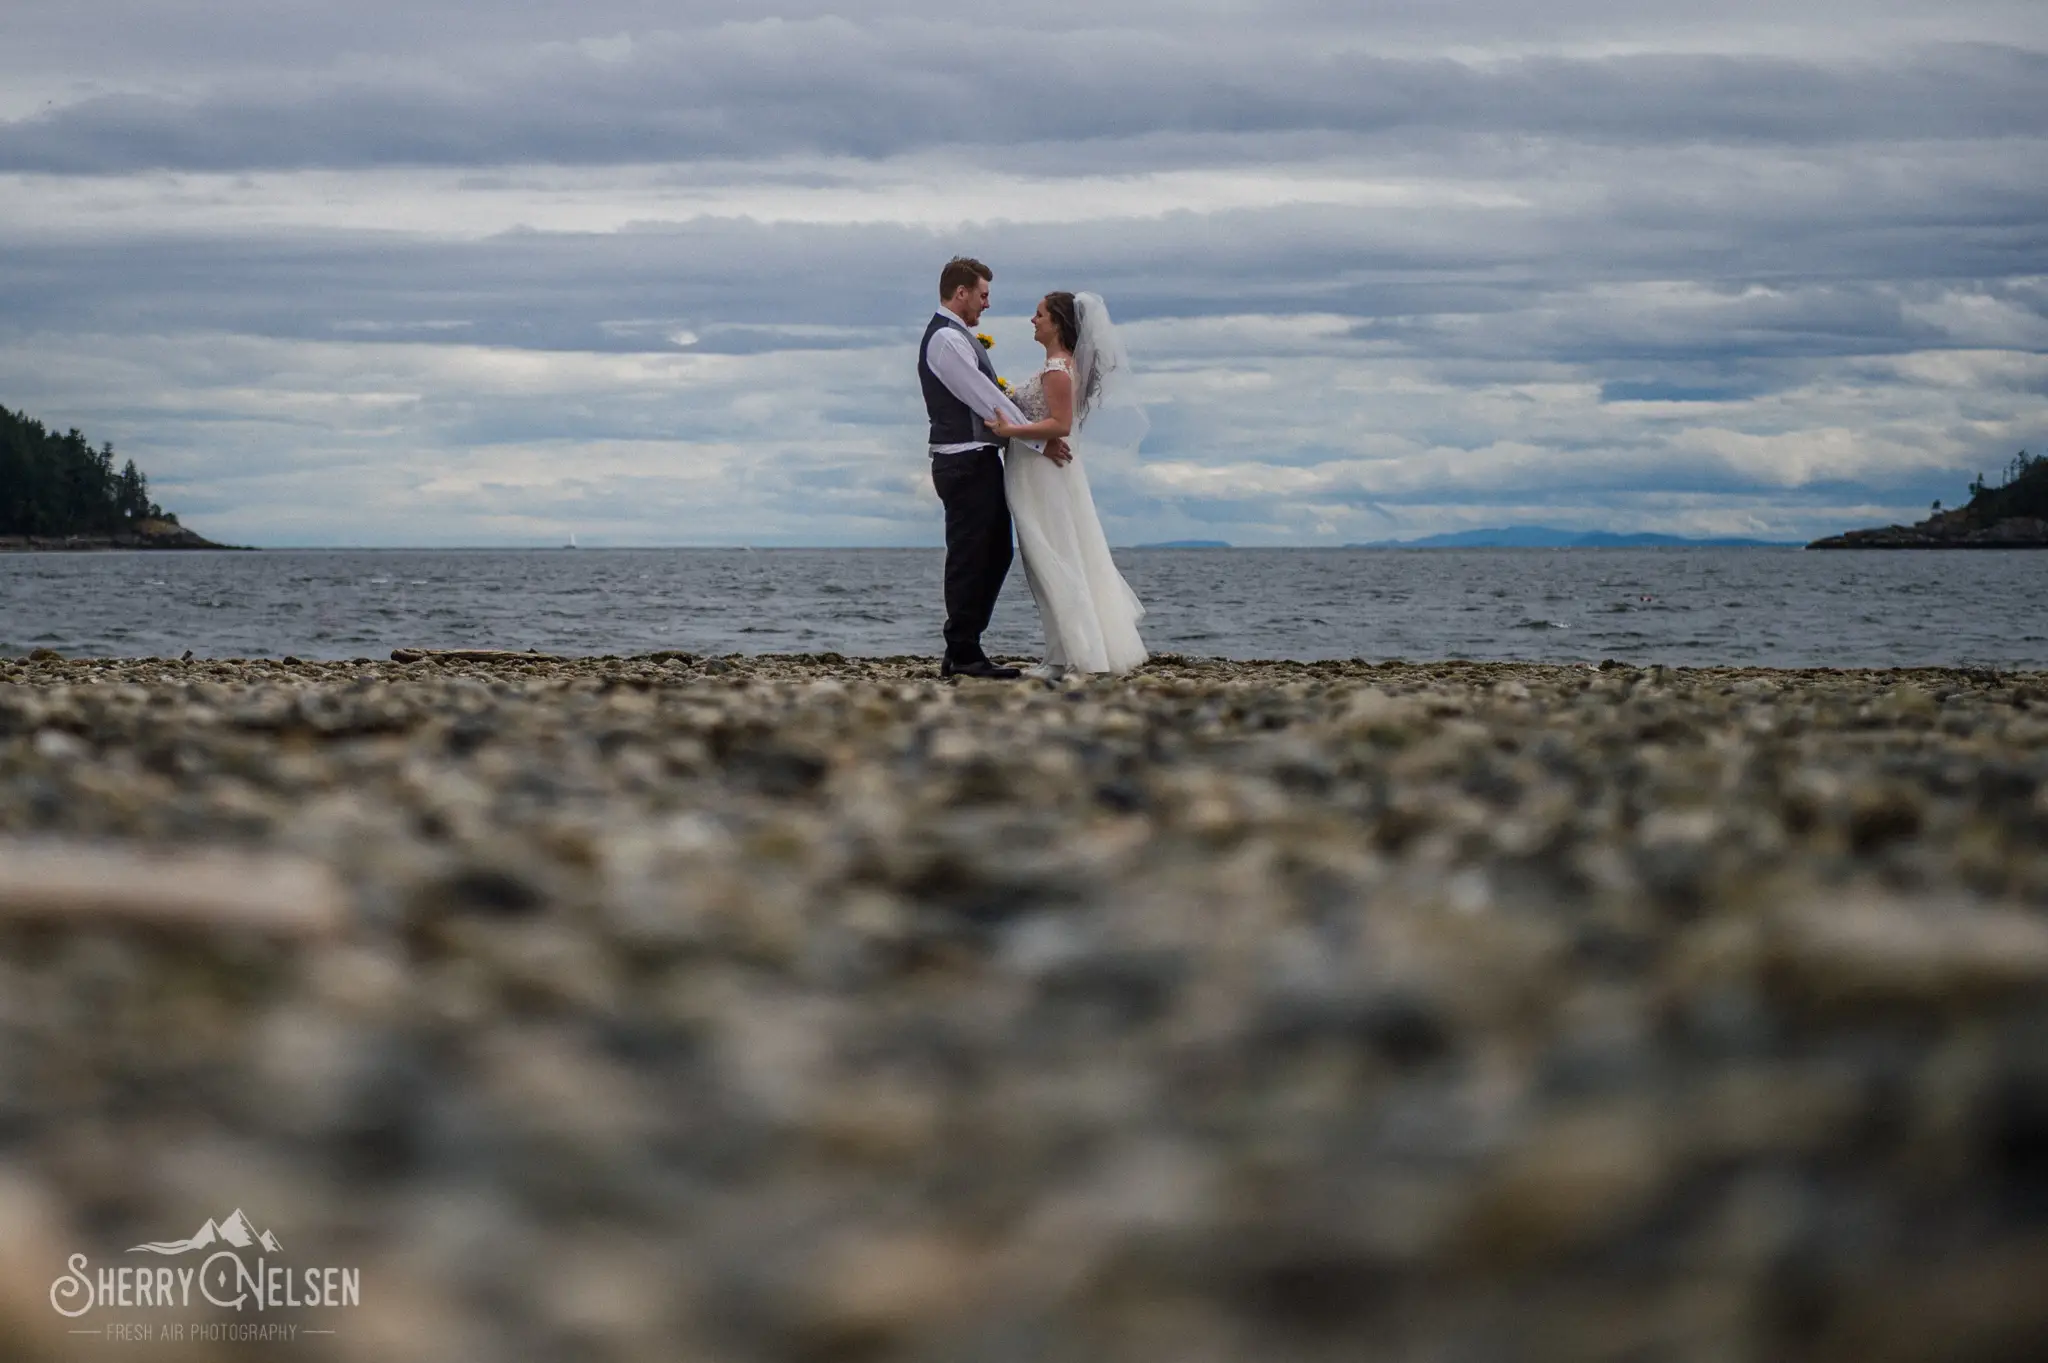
1549,537
1516,537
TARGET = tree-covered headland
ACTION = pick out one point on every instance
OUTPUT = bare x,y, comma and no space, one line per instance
2012,514
59,491
53,484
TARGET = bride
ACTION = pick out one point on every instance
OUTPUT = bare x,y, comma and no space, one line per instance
1090,613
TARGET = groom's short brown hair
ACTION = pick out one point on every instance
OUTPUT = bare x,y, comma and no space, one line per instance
960,273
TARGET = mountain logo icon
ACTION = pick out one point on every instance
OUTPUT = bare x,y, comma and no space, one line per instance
236,1229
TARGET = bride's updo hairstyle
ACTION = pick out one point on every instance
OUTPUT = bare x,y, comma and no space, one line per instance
1060,307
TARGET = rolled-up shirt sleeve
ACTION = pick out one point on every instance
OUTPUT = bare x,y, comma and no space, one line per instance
952,363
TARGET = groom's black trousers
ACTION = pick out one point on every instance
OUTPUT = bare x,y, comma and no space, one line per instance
970,484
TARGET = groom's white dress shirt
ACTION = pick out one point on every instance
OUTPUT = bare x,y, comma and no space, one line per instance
950,356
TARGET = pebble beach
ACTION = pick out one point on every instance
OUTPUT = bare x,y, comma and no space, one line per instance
813,1008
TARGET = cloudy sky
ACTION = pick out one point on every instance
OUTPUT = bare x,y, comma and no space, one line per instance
490,272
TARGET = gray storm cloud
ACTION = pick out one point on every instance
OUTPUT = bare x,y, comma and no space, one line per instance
837,87
464,273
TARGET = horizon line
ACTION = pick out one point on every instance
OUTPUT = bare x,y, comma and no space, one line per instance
1702,541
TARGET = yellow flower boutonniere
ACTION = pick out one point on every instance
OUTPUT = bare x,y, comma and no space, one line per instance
988,342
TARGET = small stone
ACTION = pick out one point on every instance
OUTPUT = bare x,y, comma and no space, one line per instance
55,745
1578,1178
1131,987
1881,814
1872,952
492,891
1402,1027
872,1293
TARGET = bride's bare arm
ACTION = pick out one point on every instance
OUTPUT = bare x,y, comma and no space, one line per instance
1059,405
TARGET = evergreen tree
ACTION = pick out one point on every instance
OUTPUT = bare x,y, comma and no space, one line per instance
54,484
133,497
2023,493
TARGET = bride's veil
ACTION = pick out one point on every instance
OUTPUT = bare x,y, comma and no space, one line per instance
1104,397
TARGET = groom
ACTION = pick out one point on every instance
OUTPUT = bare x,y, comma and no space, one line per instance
960,394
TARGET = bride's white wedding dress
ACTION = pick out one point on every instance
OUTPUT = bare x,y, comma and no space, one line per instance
1090,613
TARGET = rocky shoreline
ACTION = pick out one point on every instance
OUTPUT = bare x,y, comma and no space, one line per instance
805,1008
2020,532
149,535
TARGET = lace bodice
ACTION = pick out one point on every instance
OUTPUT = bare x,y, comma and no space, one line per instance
1030,394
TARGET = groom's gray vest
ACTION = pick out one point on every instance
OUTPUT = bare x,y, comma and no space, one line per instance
953,421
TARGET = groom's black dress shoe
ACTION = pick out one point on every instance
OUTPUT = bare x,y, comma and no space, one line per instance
982,668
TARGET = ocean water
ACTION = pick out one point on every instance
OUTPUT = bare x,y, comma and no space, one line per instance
1771,607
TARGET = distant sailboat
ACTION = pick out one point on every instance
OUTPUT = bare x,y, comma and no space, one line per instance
572,541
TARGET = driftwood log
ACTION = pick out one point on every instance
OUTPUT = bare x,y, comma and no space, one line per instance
470,655
64,881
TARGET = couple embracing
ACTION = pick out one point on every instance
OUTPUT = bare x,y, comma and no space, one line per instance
998,457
